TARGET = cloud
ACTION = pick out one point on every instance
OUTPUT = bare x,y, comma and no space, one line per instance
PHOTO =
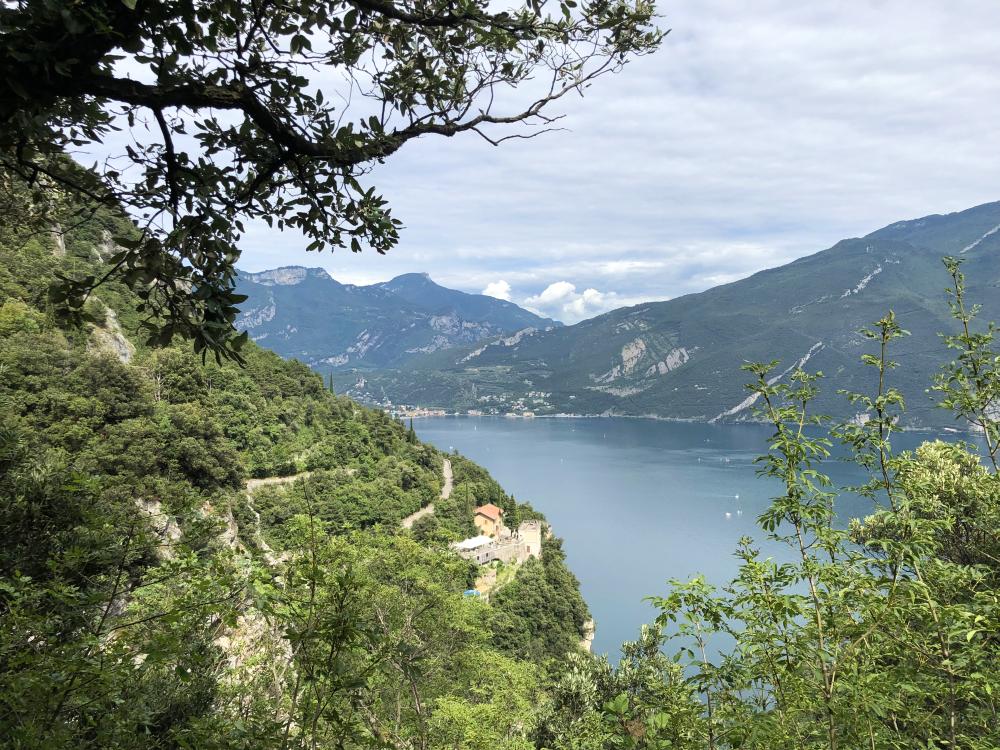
553,295
499,289
760,133
588,303
560,300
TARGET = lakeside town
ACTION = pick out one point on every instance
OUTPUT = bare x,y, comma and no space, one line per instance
404,412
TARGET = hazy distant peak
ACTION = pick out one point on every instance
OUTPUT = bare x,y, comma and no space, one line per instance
422,278
287,276
303,313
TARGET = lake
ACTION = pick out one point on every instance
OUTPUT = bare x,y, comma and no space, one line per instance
637,501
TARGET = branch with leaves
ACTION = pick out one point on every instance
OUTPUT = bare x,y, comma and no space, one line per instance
241,111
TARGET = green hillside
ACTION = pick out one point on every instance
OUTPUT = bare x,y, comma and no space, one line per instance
681,358
154,593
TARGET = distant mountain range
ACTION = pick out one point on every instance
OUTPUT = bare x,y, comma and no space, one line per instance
681,359
306,314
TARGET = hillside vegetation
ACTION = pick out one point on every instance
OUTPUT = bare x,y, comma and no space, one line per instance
149,600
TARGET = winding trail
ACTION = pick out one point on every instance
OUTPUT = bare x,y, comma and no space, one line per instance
448,479
253,484
446,471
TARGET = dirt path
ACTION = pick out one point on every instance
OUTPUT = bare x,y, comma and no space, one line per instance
448,480
446,471
253,484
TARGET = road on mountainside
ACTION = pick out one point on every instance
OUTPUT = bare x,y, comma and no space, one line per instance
253,484
429,508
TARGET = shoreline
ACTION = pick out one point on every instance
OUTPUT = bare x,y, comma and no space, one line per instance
648,417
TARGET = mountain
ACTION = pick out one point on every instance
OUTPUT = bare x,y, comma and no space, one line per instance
420,291
681,359
306,314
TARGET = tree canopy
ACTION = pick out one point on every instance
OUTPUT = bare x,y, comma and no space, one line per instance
209,114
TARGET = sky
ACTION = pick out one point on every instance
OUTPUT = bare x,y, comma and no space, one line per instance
760,132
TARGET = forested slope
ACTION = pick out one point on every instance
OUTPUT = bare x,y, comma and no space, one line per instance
149,600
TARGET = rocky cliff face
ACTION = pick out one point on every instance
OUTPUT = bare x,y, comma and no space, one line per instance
108,337
288,276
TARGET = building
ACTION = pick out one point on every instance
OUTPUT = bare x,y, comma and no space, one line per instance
530,535
470,545
480,549
510,548
489,520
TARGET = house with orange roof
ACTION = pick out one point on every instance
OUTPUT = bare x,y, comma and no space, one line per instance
489,520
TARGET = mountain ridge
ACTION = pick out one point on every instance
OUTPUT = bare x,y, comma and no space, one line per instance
306,314
681,358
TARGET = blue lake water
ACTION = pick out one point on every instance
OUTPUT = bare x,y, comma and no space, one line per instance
637,501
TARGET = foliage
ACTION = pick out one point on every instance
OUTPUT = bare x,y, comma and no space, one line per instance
970,384
396,485
643,702
541,614
269,111
148,600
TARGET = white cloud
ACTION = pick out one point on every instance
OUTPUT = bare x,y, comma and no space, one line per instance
554,294
499,289
560,300
588,303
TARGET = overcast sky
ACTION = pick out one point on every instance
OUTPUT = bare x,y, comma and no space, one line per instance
761,131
